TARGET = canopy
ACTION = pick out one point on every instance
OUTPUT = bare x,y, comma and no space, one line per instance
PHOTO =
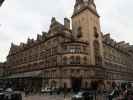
33,74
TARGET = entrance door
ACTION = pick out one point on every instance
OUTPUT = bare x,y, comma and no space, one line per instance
76,84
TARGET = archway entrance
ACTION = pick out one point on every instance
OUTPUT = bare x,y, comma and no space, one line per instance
76,83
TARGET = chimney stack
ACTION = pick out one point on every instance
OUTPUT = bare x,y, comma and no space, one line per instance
67,23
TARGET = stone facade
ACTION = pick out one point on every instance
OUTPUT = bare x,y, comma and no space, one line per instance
81,55
2,69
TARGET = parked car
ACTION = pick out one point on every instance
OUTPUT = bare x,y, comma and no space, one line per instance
9,94
84,95
46,90
1,96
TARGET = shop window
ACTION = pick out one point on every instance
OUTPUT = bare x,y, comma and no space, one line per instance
97,52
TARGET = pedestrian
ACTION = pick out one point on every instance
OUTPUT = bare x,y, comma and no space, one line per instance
26,92
65,92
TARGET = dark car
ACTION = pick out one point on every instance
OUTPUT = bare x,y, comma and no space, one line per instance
9,94
84,95
1,96
12,96
114,94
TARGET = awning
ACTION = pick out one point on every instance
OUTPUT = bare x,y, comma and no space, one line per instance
33,74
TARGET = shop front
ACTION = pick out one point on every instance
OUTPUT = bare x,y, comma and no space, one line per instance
28,80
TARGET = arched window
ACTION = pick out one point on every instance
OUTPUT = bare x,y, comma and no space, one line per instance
79,35
97,52
65,60
78,60
86,85
65,86
85,60
72,60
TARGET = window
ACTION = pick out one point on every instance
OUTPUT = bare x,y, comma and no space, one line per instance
84,48
65,60
72,60
72,49
79,35
96,48
78,60
85,60
97,52
95,33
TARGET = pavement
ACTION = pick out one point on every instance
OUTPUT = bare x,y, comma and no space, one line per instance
46,97
54,97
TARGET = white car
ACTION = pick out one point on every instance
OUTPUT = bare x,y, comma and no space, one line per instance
9,90
46,90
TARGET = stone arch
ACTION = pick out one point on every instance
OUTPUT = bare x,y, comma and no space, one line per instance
85,60
65,86
79,30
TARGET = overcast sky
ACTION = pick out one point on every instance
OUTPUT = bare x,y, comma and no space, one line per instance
21,19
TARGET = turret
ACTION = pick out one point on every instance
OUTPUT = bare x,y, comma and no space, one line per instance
86,27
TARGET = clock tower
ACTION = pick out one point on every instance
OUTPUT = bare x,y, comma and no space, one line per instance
86,27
